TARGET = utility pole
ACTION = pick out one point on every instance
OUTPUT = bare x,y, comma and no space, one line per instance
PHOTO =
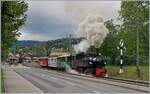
137,42
70,49
70,43
47,48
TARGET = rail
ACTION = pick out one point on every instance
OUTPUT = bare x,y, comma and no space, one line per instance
113,79
129,81
121,80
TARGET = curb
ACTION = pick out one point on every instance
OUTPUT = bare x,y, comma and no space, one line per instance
4,81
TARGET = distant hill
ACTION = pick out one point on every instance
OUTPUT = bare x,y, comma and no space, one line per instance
58,43
42,48
27,43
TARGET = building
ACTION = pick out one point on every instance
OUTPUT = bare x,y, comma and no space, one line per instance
58,53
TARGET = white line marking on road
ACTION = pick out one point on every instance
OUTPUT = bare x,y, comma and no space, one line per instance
53,78
96,92
70,83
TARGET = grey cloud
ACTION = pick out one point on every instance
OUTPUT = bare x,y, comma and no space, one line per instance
49,19
44,23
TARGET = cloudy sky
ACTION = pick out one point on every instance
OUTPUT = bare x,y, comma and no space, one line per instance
48,20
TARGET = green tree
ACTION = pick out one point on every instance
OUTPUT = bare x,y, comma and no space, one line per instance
109,46
13,16
39,50
111,42
47,48
135,14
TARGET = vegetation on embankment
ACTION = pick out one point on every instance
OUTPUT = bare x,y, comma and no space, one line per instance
129,72
2,88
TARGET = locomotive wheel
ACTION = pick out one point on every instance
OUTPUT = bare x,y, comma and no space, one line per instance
80,70
88,71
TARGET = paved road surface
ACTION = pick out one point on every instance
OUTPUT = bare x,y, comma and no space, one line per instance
53,83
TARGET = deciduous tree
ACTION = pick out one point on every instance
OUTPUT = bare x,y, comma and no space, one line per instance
13,16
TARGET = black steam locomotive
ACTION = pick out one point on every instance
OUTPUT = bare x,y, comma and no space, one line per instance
88,63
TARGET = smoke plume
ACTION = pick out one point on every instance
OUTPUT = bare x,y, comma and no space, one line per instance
93,30
82,46
89,18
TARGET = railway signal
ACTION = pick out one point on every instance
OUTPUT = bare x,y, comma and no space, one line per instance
121,47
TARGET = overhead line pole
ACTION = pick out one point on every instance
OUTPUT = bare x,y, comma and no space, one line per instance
137,43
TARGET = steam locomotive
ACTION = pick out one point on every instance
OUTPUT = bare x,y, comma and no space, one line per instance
89,64
83,63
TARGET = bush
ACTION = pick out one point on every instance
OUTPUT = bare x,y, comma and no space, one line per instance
128,60
2,89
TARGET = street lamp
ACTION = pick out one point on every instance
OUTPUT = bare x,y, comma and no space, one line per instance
121,47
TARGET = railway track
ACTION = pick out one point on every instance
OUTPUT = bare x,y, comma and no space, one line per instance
71,81
140,86
137,82
113,79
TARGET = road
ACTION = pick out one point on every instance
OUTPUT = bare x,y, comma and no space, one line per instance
49,82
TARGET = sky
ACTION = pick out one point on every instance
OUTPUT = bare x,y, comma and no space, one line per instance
50,20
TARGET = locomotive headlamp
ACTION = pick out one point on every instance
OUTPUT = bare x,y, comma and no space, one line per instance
94,59
90,58
90,62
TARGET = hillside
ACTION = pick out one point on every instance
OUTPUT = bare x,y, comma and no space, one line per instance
26,43
63,43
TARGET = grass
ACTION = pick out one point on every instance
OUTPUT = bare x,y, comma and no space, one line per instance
2,90
129,72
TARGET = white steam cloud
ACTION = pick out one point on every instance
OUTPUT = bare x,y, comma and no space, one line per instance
90,17
82,46
92,28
